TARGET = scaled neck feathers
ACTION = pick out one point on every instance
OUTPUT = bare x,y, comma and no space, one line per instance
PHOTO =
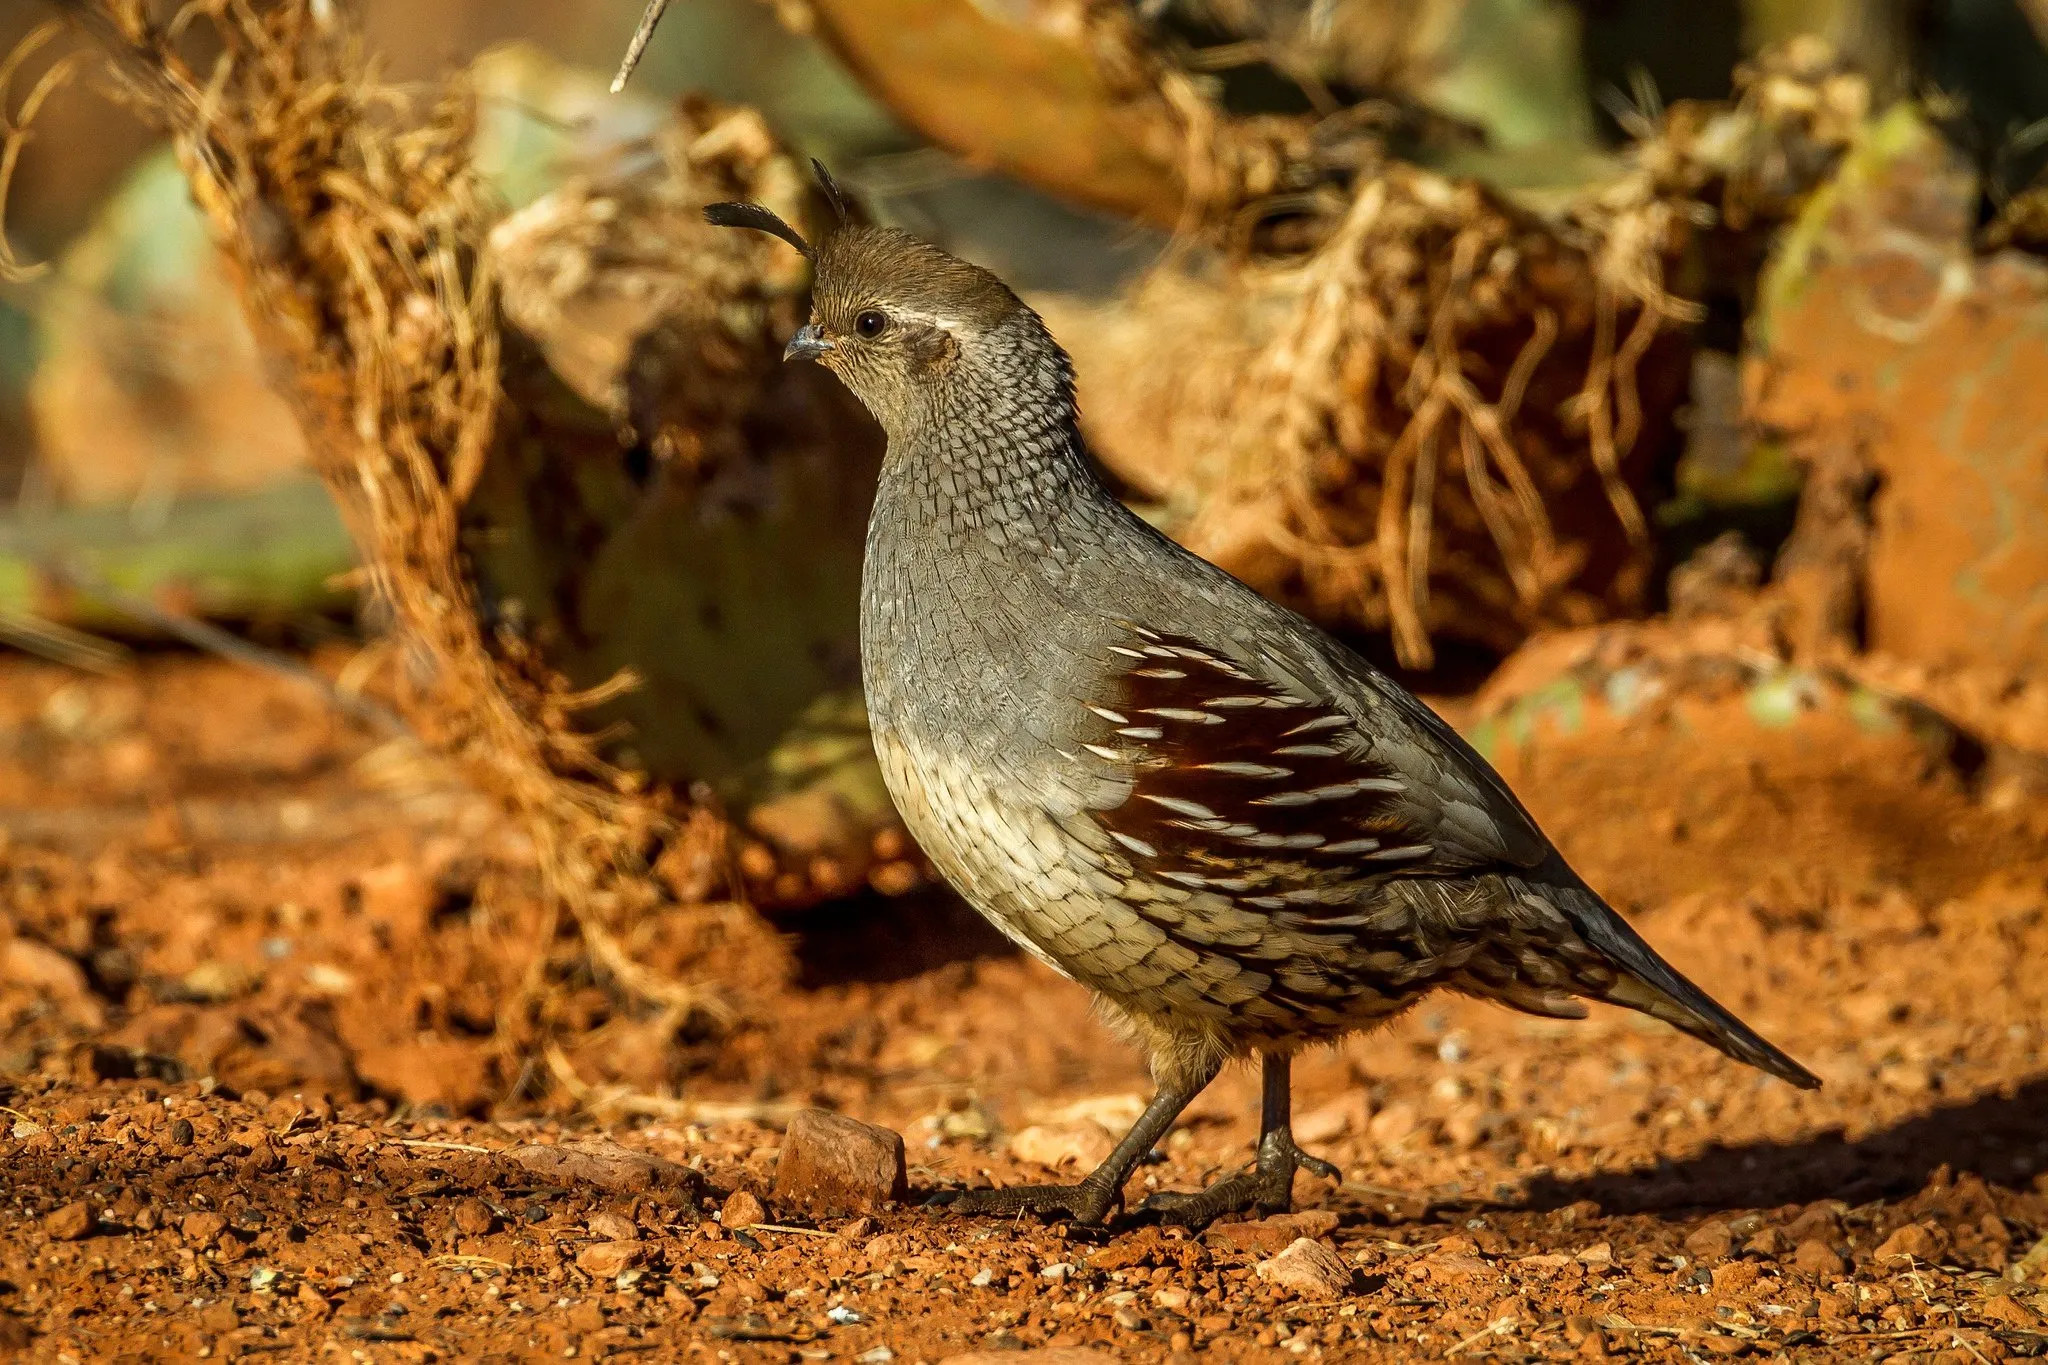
999,446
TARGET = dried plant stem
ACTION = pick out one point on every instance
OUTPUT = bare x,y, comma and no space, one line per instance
1391,409
356,226
15,132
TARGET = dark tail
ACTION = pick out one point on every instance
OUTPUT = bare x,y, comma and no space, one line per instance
1648,983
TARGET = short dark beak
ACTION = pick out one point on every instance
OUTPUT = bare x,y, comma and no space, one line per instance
808,344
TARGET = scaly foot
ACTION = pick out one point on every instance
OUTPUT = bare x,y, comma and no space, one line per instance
1088,1202
1267,1188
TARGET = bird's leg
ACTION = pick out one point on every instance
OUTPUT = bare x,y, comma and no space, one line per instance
1101,1189
1269,1185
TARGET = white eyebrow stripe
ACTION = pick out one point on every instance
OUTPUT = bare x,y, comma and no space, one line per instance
944,320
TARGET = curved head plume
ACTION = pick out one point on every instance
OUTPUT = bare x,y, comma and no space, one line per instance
761,219
896,318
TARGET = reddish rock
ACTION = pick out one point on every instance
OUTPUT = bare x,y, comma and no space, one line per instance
1918,1241
1308,1268
609,1166
1079,1146
1455,1265
1710,1242
473,1217
1735,1276
607,1226
833,1164
1272,1234
742,1210
1769,1244
204,1228
2010,1312
1308,1222
606,1259
1347,1116
71,1223
1889,348
1817,1258
24,962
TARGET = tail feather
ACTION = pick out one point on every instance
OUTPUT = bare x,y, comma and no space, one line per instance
1648,983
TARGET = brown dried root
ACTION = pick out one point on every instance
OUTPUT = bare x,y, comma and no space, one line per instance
355,225
1426,426
1402,431
15,130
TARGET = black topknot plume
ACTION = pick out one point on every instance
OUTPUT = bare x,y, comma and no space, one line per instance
833,194
761,220
729,214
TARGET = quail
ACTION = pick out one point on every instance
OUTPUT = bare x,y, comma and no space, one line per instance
1240,835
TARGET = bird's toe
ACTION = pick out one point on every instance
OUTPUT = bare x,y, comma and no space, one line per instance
1084,1202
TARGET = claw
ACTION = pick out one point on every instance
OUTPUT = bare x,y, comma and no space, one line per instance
1315,1165
1267,1188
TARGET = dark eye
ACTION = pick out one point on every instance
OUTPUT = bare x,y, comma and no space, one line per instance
871,323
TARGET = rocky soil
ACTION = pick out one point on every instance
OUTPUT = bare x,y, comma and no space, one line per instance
280,1078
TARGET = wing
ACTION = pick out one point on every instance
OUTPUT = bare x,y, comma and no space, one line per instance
1287,784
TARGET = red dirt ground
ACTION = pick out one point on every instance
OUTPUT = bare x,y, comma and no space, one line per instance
270,1017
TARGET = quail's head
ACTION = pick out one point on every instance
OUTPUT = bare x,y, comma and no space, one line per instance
904,325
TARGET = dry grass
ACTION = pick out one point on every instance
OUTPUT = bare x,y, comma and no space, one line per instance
1426,425
356,228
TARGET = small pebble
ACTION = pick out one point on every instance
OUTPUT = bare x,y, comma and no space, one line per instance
742,1210
71,1223
606,1260
203,1228
1817,1258
612,1227
834,1164
1308,1268
473,1217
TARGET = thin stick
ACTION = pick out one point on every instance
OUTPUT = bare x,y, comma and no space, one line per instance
60,643
211,638
641,35
452,1262
1499,1327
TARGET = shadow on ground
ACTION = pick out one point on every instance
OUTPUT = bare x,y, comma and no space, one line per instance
2000,1137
